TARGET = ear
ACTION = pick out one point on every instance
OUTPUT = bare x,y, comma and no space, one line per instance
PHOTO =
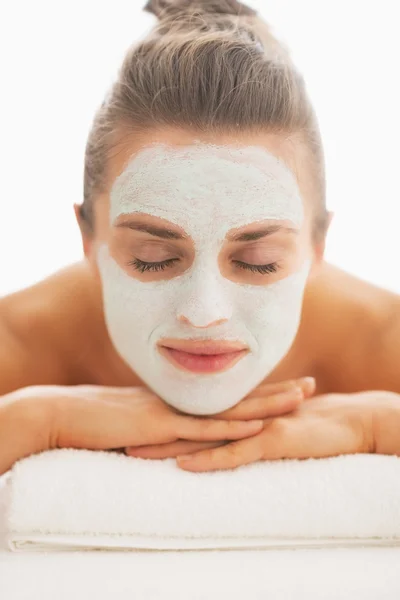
319,249
87,236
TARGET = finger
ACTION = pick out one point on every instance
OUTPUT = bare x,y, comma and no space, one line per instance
264,407
232,455
292,437
273,388
307,384
208,429
314,437
170,450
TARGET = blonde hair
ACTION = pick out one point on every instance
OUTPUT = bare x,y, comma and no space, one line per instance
207,65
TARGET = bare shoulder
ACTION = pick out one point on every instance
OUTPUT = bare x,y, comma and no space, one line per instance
44,326
345,291
351,319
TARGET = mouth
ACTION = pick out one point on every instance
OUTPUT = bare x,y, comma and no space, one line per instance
205,356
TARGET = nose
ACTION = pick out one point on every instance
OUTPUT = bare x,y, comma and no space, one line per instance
206,302
186,321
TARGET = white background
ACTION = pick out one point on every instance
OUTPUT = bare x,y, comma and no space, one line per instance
58,60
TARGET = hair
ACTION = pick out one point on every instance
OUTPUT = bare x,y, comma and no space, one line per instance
209,66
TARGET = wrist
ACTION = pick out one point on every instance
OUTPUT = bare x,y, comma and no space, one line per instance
23,428
387,424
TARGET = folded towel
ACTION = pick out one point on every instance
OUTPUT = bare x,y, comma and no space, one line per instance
69,499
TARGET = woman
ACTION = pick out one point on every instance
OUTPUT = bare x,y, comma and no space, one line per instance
204,290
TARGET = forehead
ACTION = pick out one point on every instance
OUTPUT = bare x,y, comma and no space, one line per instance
206,184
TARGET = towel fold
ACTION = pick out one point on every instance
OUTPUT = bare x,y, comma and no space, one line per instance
69,499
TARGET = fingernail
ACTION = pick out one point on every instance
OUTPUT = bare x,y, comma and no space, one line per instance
254,423
309,379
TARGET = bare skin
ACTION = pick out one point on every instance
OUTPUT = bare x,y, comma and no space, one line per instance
54,334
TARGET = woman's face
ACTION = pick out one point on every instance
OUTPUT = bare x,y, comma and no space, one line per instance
203,248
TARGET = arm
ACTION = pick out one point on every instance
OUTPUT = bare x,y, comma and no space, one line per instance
387,425
384,374
23,429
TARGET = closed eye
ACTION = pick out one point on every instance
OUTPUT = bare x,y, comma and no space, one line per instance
144,267
262,269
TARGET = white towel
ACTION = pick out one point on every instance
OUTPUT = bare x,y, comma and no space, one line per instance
69,499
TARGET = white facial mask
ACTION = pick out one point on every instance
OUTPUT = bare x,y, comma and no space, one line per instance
207,190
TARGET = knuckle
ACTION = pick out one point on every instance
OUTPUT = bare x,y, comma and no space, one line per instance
207,425
291,402
231,427
211,456
292,383
234,452
223,426
184,424
278,425
234,425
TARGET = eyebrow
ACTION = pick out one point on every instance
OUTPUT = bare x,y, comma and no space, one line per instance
251,236
162,232
169,234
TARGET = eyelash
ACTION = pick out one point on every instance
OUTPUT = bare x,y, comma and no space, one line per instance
142,266
262,269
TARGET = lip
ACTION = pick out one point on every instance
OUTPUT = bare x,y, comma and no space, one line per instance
202,356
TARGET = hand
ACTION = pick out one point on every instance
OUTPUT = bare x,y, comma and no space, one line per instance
38,418
326,425
267,400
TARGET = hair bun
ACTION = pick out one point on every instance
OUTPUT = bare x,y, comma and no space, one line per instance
167,8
